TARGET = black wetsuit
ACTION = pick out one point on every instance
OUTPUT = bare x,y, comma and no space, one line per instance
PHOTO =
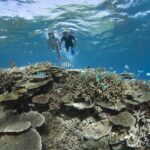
68,41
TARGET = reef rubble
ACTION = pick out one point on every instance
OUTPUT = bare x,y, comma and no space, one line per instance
44,107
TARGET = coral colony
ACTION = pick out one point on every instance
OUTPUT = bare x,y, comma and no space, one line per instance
43,107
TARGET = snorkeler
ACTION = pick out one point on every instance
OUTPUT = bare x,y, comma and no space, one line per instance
53,42
70,41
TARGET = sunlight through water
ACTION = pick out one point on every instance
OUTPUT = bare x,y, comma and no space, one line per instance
110,33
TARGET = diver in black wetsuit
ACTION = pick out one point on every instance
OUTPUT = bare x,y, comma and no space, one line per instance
70,41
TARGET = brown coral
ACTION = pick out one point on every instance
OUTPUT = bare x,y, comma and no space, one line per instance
124,119
41,99
29,140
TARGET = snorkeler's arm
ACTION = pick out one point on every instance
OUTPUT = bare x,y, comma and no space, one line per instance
60,43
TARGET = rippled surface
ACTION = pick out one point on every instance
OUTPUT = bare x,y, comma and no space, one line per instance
110,33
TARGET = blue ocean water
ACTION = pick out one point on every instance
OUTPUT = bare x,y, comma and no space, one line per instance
114,34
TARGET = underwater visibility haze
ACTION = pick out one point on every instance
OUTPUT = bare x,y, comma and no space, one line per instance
95,99
113,34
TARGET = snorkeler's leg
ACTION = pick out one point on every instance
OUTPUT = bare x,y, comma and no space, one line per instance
58,53
67,48
72,50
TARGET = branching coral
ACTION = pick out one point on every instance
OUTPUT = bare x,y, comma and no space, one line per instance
138,135
6,81
112,88
76,105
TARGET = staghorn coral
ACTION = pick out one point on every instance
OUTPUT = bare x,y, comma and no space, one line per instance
6,81
139,135
54,103
93,87
112,88
83,90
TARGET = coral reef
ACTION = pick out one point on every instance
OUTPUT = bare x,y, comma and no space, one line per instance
35,118
124,119
44,107
41,99
96,130
30,140
12,123
9,96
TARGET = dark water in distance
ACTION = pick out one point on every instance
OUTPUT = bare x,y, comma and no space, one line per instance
114,34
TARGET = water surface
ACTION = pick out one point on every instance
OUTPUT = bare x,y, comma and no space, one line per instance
110,33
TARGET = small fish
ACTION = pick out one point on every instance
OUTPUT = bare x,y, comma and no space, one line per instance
66,64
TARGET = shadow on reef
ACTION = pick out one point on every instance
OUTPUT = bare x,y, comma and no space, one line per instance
43,107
